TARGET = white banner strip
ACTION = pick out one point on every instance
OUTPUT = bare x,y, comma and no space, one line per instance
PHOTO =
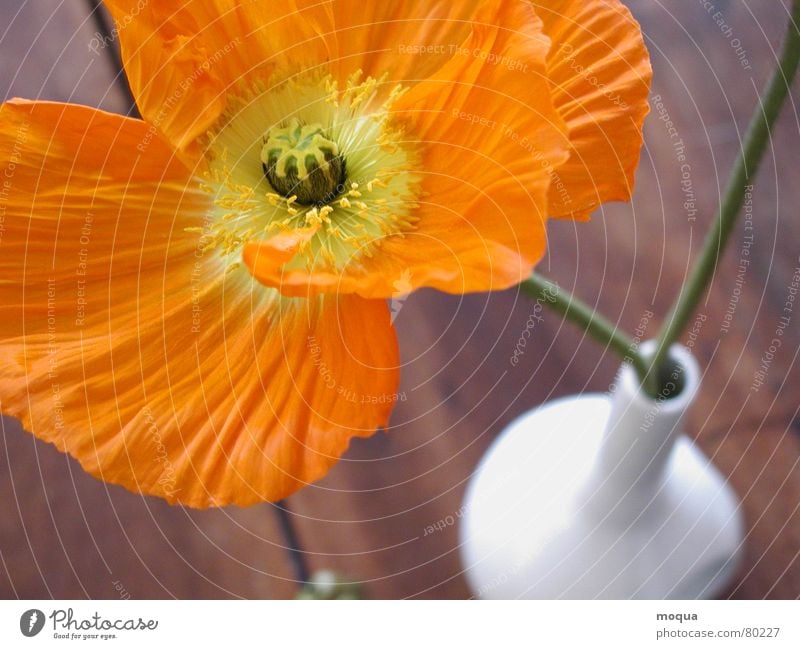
409,624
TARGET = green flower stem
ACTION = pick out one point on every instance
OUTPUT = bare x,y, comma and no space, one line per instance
581,314
755,145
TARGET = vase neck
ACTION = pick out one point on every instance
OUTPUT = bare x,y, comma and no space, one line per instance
638,440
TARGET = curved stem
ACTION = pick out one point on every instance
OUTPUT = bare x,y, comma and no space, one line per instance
296,555
744,170
597,326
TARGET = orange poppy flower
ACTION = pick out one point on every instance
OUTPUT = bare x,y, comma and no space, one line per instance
195,303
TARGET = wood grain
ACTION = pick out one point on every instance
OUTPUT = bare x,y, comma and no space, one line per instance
64,534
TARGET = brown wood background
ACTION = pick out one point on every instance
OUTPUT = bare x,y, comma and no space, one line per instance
66,535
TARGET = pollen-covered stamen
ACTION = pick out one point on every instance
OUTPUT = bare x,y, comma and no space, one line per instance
300,160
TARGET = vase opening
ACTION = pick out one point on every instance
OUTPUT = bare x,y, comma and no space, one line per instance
671,379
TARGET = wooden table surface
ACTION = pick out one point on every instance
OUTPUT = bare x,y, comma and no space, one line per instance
64,534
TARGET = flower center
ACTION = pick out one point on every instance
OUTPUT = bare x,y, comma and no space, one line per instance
300,160
333,162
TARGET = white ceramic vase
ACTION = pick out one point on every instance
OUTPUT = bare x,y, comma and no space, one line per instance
602,496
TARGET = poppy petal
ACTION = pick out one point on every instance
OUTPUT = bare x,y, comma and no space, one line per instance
129,348
600,73
407,39
75,179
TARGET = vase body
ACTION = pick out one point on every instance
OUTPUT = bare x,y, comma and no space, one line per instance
602,496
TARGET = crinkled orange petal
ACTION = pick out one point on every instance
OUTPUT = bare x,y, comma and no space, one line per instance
600,74
490,139
183,59
77,195
268,257
129,347
407,39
